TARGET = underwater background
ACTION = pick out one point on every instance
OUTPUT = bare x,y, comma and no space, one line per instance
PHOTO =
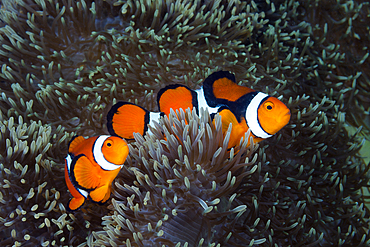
64,63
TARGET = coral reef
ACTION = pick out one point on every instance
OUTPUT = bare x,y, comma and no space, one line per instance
63,63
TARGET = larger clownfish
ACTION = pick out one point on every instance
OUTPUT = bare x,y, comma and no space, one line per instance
91,166
244,107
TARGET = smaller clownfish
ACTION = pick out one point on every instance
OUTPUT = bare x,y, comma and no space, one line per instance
244,107
91,166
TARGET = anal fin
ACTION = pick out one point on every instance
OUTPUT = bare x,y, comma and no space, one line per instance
76,203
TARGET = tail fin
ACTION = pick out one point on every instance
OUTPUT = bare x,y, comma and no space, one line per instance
125,118
176,96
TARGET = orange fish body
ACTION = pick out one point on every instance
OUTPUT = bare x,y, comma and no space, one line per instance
245,108
262,114
91,166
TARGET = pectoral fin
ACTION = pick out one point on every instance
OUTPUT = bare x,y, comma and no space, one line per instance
85,174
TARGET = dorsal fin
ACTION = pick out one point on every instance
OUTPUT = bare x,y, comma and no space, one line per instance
176,96
221,88
75,141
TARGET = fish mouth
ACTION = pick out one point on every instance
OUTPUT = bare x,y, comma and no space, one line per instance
285,117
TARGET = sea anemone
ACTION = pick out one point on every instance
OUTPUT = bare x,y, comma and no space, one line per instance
182,183
32,186
63,63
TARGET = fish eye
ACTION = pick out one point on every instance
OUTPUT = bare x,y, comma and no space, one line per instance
268,105
109,143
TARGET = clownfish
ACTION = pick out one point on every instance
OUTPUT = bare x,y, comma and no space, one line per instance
244,107
91,166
